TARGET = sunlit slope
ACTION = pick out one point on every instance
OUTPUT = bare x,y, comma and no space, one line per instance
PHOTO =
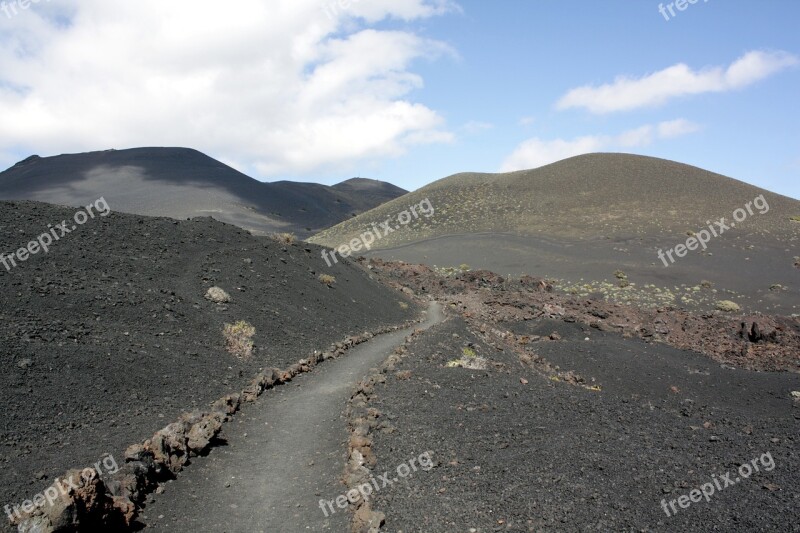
588,196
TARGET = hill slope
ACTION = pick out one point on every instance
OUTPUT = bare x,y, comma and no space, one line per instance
582,197
108,337
588,216
183,183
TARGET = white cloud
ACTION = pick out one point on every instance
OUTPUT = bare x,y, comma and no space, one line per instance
376,10
527,121
282,87
641,136
537,152
627,93
676,128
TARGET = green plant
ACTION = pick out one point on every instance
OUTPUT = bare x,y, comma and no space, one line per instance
239,339
795,218
327,279
464,267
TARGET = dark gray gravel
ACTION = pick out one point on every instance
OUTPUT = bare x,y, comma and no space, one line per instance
108,337
546,455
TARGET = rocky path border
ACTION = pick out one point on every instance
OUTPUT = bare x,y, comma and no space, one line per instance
93,502
362,421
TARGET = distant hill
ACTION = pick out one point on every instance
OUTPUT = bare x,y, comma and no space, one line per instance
588,216
370,193
184,183
586,196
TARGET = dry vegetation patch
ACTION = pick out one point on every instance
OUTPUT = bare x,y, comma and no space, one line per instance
239,339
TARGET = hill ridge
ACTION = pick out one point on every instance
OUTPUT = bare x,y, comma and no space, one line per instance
608,194
181,182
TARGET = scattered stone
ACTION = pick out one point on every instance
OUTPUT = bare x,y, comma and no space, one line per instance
217,295
758,331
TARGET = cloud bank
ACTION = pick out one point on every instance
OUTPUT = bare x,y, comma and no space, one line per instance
279,87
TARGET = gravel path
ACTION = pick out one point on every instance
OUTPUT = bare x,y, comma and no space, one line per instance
108,338
283,455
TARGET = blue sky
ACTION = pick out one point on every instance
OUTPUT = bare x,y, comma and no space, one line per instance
408,91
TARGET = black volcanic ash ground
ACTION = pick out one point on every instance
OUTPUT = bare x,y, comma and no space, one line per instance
108,337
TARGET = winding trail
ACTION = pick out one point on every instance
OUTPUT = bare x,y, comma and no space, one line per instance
284,453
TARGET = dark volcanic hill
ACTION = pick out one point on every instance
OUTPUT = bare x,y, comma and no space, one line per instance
183,183
582,219
108,337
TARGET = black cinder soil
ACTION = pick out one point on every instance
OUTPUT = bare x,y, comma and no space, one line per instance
518,451
108,337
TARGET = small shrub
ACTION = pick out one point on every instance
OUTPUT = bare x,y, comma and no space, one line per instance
619,274
728,306
795,218
470,360
327,279
474,363
706,284
464,267
217,295
403,305
285,238
239,339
